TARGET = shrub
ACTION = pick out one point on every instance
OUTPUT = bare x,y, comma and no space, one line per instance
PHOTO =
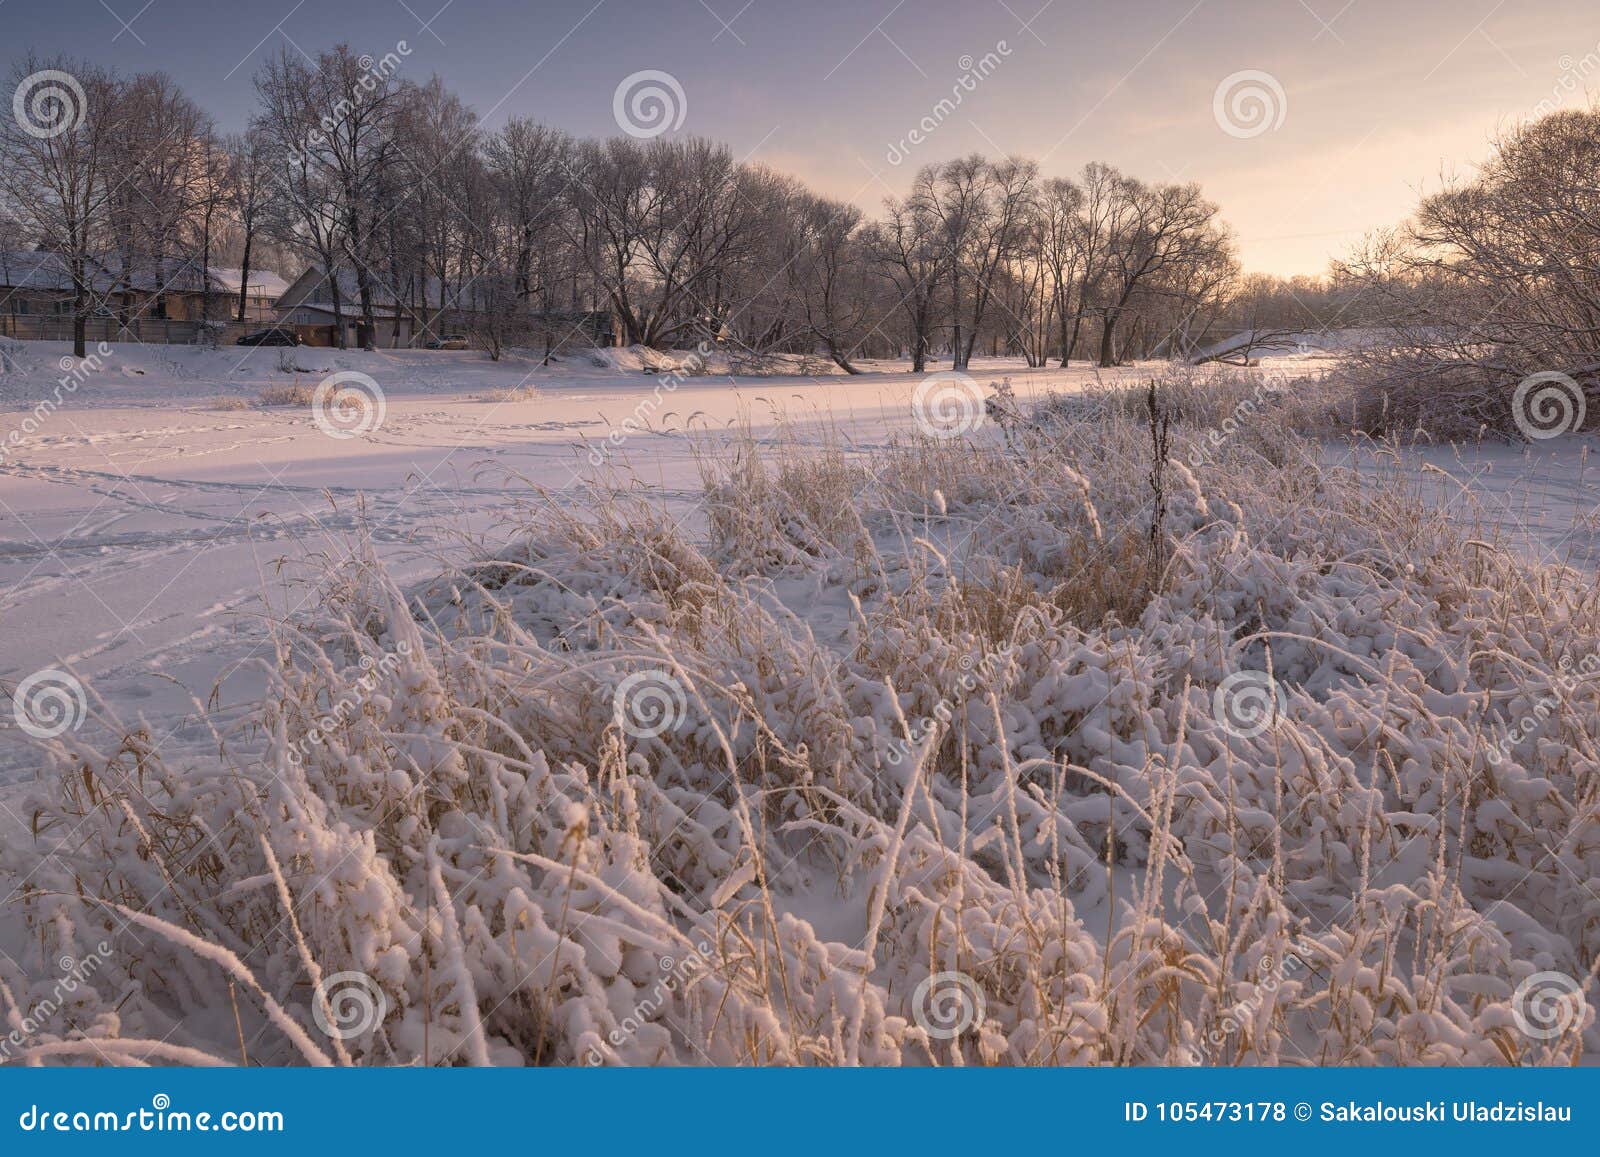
911,758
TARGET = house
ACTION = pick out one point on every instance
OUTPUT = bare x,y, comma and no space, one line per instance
174,290
157,299
261,297
420,308
307,306
34,285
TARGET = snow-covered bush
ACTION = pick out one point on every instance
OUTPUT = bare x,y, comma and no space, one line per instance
913,757
292,394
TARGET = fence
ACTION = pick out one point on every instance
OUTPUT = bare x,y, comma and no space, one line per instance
149,331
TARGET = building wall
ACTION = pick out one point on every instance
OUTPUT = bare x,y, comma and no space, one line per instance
33,302
316,329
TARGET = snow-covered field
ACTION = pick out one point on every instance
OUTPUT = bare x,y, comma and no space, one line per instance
144,531
789,733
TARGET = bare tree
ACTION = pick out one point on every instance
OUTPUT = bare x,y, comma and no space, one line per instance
1025,290
1495,279
155,178
391,191
828,273
440,168
661,228
529,165
990,205
253,179
333,122
307,215
906,252
52,167
1159,235
1064,254
211,192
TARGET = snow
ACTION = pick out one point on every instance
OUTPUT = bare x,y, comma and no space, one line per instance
1539,499
915,710
144,530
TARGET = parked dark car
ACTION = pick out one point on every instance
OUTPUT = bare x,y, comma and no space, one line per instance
450,341
273,336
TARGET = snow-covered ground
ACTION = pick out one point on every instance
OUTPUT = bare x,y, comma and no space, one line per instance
151,518
157,518
146,520
1539,501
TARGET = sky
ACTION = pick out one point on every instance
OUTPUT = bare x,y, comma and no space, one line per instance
1311,122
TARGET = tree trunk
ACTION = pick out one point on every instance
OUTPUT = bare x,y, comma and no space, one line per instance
1108,342
244,274
1131,346
840,358
338,310
205,272
369,323
1072,346
956,348
80,307
964,352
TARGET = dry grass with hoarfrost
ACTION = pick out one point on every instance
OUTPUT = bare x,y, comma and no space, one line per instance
943,776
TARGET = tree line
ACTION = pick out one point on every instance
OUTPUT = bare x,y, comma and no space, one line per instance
348,165
1493,282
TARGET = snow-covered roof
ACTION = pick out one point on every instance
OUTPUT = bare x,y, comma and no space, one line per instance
350,308
45,271
263,283
23,269
418,293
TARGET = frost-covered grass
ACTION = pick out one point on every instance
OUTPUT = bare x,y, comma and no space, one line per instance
286,394
924,755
